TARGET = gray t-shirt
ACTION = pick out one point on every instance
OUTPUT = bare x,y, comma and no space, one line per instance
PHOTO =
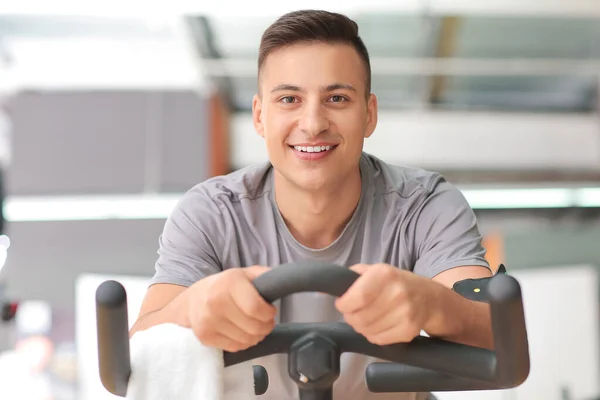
406,217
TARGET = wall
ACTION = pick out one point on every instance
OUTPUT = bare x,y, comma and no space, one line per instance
107,142
551,247
95,143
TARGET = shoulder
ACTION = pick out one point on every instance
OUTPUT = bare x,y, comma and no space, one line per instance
404,181
414,193
251,182
205,210
209,205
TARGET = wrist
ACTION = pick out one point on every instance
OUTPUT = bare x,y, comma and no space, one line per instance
441,320
179,309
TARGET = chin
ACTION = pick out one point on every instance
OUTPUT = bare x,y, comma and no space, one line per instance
310,180
311,183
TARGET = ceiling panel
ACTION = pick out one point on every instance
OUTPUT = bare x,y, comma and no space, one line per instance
519,38
393,35
237,37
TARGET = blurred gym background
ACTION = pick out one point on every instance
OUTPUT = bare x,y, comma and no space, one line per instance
110,111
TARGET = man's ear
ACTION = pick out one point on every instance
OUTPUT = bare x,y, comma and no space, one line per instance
257,115
371,115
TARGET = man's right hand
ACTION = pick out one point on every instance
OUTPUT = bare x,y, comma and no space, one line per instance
226,311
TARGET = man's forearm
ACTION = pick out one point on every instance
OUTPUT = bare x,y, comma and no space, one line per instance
457,319
174,312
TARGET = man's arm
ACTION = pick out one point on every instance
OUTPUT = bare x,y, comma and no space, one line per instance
391,305
188,252
163,303
455,318
448,248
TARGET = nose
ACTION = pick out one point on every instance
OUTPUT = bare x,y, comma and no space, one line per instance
313,120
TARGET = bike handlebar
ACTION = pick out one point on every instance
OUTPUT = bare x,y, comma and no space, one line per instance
431,364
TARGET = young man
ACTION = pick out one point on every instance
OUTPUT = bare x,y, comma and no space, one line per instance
408,232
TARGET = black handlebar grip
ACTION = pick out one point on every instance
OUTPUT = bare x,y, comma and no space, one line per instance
113,337
293,278
384,377
510,333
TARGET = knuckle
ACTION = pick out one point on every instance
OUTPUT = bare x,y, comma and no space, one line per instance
399,288
384,270
410,316
265,328
259,310
358,320
254,307
214,298
254,328
401,294
268,327
247,341
203,332
363,298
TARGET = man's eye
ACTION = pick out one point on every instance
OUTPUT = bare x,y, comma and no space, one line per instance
337,99
288,99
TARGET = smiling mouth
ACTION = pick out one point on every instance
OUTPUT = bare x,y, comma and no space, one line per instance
313,149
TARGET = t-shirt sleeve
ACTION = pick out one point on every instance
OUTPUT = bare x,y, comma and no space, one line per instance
446,234
190,243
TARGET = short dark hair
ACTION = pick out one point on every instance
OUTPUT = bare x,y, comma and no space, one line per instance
306,26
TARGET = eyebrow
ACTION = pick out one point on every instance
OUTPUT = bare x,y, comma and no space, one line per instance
329,88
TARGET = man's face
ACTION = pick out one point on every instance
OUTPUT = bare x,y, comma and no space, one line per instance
313,113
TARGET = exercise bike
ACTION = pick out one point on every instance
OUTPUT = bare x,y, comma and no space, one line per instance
8,309
314,349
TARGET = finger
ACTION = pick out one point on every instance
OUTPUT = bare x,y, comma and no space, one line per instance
365,317
362,293
235,333
248,323
360,268
255,271
251,303
391,319
223,342
396,334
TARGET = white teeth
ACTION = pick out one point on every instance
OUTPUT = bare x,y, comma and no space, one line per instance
312,149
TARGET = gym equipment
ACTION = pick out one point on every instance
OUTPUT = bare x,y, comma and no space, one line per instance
314,349
4,245
2,199
8,309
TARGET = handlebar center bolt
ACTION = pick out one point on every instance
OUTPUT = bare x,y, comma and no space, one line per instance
314,360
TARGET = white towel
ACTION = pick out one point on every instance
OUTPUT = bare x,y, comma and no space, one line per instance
168,362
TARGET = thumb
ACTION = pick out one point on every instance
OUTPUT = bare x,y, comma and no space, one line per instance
360,268
255,271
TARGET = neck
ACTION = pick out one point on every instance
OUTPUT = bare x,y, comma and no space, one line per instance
316,219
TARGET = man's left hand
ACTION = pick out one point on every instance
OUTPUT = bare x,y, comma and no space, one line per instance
386,304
